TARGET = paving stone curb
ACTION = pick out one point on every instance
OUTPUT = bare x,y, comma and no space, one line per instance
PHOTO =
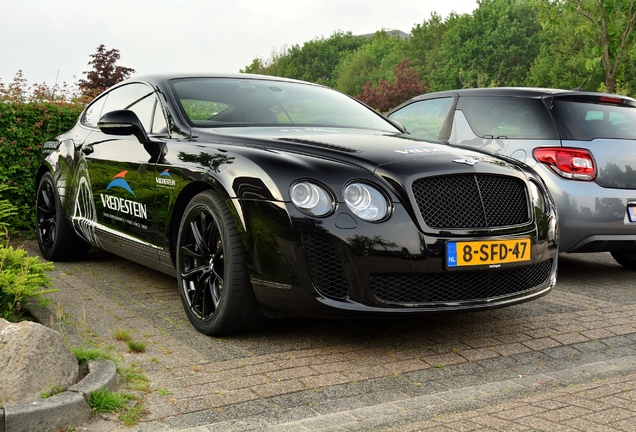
67,409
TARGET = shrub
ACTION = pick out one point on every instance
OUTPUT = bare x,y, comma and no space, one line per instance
21,277
389,94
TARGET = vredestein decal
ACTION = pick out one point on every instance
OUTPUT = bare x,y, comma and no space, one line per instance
123,205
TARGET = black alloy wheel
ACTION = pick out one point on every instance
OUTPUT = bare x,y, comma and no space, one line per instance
213,282
56,238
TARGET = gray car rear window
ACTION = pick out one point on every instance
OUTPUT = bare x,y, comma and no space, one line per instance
587,121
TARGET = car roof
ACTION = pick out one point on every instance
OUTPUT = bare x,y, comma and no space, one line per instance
163,77
530,92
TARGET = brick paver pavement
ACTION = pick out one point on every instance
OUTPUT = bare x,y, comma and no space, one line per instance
566,361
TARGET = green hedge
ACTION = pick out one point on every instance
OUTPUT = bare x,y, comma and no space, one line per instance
24,127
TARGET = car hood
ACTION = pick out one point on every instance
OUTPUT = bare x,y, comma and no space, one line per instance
374,151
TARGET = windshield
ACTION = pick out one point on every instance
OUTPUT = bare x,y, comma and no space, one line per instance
234,102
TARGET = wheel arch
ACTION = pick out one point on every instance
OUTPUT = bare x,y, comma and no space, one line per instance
43,169
185,196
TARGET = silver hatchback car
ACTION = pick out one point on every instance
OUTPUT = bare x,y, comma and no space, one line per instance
583,144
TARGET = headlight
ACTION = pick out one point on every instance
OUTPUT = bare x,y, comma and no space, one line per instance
311,198
366,202
538,198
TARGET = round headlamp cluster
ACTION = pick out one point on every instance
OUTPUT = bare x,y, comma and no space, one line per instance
311,198
364,200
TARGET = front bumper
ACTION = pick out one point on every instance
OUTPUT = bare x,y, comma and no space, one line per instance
391,268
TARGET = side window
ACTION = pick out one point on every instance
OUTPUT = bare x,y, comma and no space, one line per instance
507,117
94,112
149,112
140,99
159,124
424,119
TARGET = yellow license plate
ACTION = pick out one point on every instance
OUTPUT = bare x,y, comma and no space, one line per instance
491,252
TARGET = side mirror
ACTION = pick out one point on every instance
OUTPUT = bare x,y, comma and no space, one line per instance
123,122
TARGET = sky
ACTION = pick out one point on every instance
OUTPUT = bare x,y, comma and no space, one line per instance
51,41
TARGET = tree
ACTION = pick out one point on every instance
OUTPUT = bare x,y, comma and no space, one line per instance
562,61
389,94
373,61
355,71
609,24
424,45
257,66
315,61
494,46
105,73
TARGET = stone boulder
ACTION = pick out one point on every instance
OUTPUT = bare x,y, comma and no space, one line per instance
33,360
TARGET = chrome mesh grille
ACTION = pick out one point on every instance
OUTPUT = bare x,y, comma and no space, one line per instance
458,286
471,201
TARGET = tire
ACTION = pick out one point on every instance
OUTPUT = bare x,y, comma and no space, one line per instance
56,237
212,275
626,259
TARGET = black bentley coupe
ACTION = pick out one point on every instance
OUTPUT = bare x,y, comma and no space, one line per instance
270,197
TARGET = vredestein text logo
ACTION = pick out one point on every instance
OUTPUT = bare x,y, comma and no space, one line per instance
420,150
165,178
123,205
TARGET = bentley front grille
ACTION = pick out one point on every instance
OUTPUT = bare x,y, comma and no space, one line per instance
472,201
